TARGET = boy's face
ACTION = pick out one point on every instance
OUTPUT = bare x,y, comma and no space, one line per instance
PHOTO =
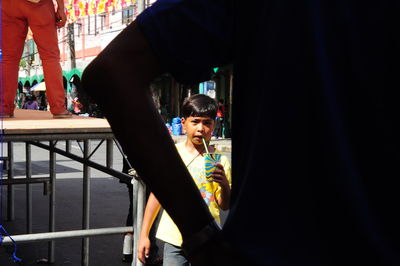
198,127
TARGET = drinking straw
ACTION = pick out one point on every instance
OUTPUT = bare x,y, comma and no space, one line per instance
205,144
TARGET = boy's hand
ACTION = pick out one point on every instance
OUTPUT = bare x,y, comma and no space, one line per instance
219,176
143,251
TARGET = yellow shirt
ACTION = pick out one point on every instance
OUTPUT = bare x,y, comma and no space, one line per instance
167,230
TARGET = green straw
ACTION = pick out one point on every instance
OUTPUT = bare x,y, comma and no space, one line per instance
205,144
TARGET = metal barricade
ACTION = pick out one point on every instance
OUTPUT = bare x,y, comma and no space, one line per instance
49,187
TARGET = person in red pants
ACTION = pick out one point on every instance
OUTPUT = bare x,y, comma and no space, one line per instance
43,19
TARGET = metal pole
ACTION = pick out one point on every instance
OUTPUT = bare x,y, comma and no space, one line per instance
10,189
28,188
68,146
135,188
139,188
141,5
140,208
71,44
56,136
52,200
24,181
86,203
66,235
110,151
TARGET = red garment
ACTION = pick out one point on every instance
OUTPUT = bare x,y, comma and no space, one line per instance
221,111
77,105
17,15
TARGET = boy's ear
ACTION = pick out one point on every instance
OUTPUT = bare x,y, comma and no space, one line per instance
183,125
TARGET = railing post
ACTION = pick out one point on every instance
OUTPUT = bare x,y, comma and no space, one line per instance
140,193
52,199
68,146
86,203
10,189
109,153
28,149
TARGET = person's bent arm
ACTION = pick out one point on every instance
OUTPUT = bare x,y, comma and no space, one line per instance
119,79
150,214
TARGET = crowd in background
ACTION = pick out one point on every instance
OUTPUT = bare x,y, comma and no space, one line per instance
78,105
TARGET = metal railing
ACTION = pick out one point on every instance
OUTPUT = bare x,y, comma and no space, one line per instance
49,188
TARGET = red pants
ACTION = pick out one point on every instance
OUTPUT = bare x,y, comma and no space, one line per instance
17,15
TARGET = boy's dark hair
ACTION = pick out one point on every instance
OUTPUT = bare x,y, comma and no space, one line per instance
199,105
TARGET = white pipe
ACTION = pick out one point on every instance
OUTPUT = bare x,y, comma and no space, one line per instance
66,234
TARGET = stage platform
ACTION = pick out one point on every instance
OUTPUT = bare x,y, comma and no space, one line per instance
40,129
42,122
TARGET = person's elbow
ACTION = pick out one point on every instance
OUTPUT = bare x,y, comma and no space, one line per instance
97,69
96,77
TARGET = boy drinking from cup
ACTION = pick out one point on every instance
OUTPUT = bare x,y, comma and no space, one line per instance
199,112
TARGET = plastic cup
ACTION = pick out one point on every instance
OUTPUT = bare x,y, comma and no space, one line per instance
210,159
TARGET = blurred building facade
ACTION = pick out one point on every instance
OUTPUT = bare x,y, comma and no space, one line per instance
91,26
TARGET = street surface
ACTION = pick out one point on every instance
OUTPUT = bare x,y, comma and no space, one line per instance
109,207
